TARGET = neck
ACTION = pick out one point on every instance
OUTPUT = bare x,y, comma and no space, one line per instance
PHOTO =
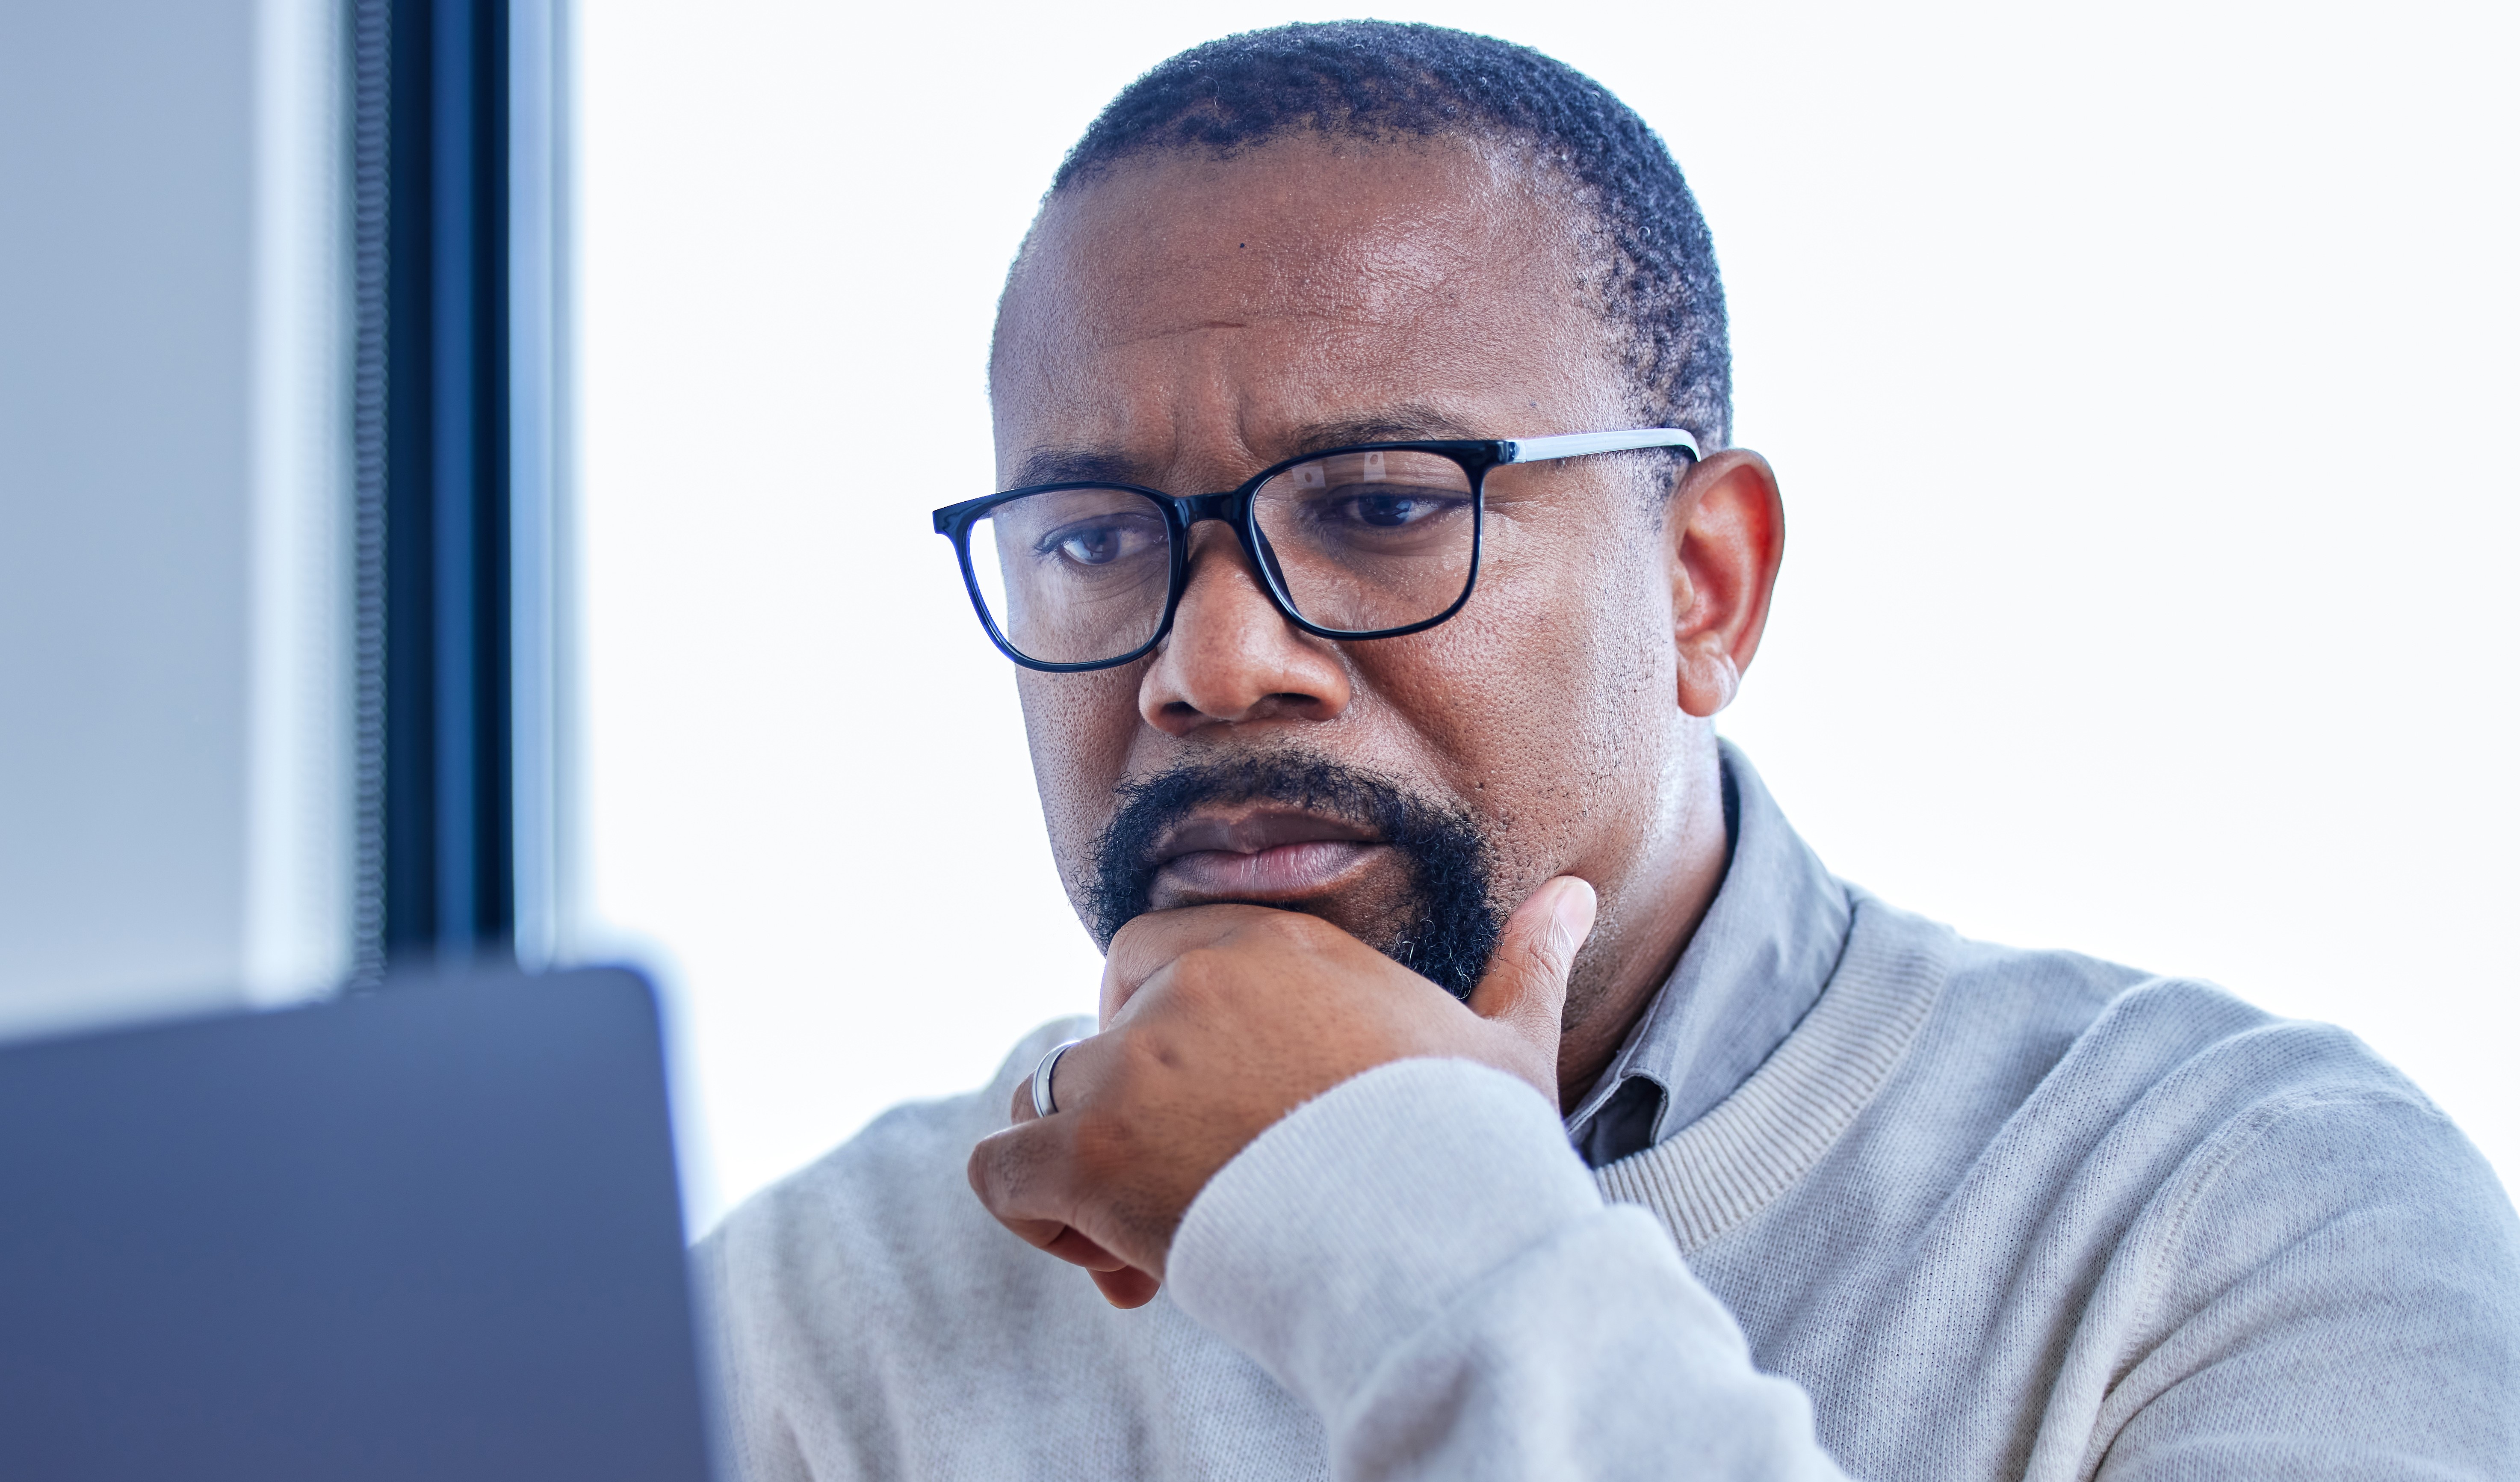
1645,922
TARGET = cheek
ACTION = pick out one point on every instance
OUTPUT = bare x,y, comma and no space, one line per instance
1080,728
1549,705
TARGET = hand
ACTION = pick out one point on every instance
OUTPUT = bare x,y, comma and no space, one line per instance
1217,1021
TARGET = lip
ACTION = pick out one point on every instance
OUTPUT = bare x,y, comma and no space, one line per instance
1263,854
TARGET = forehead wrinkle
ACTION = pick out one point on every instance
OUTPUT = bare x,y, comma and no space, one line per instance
1217,327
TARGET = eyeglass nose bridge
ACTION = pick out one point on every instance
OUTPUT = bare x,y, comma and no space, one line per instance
1226,505
1233,507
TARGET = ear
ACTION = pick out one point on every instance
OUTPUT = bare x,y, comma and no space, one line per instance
1726,525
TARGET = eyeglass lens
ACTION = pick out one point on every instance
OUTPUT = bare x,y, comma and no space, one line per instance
1360,541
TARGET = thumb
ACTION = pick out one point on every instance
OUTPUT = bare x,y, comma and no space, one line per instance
1525,987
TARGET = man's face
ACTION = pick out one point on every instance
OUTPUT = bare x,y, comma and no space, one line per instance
1185,322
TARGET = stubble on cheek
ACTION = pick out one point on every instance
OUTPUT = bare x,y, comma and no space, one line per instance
1572,723
1079,729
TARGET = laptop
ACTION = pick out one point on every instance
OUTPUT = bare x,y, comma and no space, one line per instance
428,1232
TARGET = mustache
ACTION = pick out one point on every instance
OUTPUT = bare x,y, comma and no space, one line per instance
1453,924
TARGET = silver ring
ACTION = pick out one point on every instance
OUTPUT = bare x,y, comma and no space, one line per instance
1042,1105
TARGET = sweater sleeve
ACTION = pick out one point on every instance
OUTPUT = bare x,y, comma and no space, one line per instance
2330,1291
1420,1256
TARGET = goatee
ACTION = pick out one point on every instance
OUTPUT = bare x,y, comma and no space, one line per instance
1450,922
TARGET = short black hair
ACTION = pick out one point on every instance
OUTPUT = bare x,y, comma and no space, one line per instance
1382,80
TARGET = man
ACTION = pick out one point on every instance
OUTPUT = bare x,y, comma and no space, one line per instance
1488,1082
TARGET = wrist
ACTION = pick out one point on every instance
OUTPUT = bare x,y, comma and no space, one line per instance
1355,1220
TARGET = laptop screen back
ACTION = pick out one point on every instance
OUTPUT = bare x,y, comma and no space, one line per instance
429,1233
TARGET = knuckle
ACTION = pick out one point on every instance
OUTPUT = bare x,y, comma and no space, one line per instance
987,1172
1006,1165
1199,974
1147,1050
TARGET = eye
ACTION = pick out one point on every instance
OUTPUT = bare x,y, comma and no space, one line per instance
1387,510
1370,510
1382,502
1099,542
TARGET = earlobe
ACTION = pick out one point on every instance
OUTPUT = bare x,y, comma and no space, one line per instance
1708,679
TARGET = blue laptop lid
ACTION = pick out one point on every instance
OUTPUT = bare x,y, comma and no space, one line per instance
428,1232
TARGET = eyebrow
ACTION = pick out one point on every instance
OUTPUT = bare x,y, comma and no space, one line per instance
1400,424
1073,465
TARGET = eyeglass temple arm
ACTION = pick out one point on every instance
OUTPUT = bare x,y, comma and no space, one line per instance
1578,444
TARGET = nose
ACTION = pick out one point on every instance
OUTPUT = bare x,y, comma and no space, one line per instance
1231,659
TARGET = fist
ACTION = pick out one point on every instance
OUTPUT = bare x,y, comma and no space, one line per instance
1217,1021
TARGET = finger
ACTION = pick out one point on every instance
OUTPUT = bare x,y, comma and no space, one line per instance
1065,1241
1147,944
1023,1177
1069,1243
1071,1082
1526,986
1026,1178
1127,1286
1073,1246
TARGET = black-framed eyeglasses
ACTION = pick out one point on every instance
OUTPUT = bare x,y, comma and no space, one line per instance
1371,541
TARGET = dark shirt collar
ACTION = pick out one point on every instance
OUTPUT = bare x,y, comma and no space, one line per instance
1756,965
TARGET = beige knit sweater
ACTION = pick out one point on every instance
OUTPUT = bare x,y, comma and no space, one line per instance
1984,1214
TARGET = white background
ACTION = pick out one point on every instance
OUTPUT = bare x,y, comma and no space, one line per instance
2141,378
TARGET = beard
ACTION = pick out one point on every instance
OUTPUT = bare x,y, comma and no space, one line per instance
1445,928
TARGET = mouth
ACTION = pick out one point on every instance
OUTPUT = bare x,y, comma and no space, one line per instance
1259,854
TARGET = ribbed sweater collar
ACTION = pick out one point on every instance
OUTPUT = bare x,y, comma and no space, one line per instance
1757,1143
1752,970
